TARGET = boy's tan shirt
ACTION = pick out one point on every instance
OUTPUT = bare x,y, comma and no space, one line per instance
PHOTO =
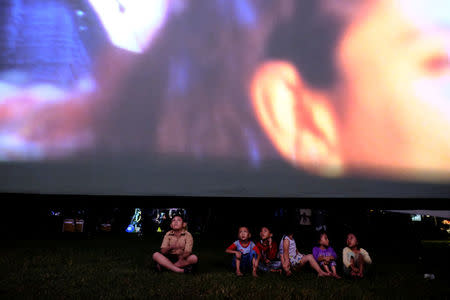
185,241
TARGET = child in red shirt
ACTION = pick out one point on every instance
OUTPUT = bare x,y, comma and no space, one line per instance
246,254
269,252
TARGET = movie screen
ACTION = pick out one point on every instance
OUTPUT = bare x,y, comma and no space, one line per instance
156,91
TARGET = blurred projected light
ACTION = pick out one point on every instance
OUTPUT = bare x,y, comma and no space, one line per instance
135,224
427,13
55,213
416,218
131,24
130,228
80,13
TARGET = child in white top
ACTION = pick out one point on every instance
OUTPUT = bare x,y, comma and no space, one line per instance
291,259
355,259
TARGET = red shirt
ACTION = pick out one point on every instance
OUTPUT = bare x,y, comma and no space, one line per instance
267,252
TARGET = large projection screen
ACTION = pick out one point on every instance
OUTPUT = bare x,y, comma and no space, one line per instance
225,98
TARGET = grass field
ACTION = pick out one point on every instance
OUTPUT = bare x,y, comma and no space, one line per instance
118,267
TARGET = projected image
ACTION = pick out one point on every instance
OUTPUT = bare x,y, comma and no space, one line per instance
333,88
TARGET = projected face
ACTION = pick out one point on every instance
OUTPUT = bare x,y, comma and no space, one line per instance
385,112
398,104
389,110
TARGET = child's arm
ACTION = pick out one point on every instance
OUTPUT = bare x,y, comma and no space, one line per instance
321,258
233,250
165,248
273,250
258,256
366,256
187,251
286,262
352,265
333,255
346,257
263,256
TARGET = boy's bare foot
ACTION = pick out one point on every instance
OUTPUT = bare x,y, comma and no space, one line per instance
324,274
239,273
336,276
254,274
288,273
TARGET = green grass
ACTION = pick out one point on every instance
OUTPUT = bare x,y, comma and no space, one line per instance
121,267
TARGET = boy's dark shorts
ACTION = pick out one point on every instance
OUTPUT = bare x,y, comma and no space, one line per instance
172,257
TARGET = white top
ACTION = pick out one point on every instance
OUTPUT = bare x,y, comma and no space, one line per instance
292,246
347,254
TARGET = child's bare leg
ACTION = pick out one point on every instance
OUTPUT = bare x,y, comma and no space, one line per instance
333,268
255,267
361,266
352,263
327,270
238,267
166,263
285,263
312,262
190,260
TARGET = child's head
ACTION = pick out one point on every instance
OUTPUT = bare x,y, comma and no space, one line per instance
352,240
265,233
177,223
323,239
289,232
244,233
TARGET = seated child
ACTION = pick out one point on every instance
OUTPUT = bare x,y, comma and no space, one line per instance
176,248
355,259
246,254
269,250
291,259
325,255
